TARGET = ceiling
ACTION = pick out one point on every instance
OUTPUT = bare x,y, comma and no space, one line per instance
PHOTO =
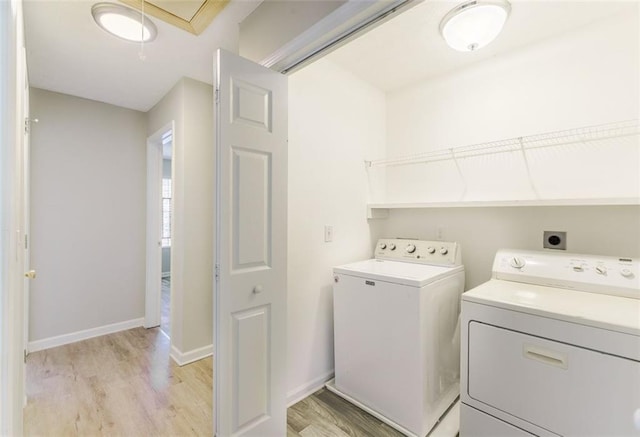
68,53
409,48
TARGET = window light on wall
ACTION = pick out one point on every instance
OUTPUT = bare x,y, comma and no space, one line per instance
474,24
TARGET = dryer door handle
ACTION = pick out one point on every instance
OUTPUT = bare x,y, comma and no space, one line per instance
545,356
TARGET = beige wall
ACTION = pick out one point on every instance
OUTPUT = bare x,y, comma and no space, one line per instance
190,105
87,214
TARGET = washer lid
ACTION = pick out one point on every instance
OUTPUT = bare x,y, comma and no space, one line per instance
615,313
415,275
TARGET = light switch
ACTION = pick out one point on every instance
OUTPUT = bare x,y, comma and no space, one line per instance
328,233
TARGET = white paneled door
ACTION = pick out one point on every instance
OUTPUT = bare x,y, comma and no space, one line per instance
251,249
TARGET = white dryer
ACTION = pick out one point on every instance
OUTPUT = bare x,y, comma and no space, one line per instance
396,332
551,346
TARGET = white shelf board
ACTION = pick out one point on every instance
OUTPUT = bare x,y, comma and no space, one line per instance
381,210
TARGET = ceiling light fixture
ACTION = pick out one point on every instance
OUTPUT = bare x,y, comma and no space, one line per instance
124,22
474,24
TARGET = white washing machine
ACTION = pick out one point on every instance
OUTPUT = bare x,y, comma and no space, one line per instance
396,332
551,346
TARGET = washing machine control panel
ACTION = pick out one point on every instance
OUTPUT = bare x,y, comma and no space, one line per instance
419,251
599,274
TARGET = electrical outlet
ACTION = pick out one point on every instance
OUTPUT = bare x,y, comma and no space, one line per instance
440,233
328,233
554,240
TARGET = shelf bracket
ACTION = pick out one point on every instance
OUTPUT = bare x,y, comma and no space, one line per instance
526,165
464,181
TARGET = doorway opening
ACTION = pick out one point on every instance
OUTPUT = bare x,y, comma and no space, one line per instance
159,218
167,195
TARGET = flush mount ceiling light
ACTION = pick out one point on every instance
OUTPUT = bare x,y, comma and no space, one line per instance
474,24
123,22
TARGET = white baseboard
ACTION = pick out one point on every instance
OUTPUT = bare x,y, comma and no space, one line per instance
182,358
304,390
60,340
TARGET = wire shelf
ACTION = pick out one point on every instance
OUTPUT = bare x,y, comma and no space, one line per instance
581,135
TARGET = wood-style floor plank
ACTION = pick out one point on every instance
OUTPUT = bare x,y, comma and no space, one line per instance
326,408
323,429
125,384
120,384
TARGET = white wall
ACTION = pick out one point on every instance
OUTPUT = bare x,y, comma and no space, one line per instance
586,77
335,121
87,214
190,105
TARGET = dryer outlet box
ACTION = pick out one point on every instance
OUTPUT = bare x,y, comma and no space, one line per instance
554,240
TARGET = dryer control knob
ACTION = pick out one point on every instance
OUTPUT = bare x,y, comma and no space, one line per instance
444,250
410,248
517,263
431,250
392,246
626,273
383,246
601,270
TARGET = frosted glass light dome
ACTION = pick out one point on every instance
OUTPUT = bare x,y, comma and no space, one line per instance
474,24
123,22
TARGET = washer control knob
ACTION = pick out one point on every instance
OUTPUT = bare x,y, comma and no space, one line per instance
601,270
444,250
392,246
411,248
431,250
626,273
517,263
383,246
579,268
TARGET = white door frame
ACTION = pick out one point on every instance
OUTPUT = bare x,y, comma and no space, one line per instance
153,282
26,210
12,101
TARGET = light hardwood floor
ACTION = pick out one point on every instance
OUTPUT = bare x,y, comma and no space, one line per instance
119,384
125,384
324,414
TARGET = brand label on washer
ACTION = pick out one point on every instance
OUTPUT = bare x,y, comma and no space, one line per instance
370,283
